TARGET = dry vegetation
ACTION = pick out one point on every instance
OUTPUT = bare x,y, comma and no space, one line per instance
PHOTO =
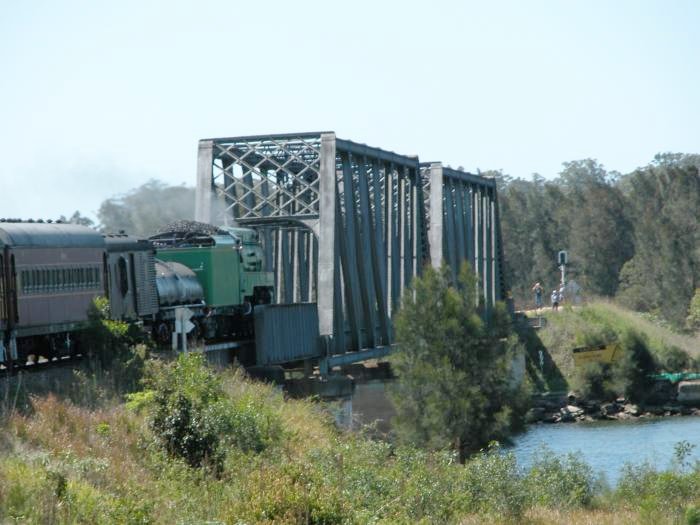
67,459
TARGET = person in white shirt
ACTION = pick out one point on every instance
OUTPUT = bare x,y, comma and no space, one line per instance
555,300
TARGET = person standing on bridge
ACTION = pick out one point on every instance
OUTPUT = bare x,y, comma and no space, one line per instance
538,290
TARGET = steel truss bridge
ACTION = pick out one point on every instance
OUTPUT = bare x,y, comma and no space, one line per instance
348,226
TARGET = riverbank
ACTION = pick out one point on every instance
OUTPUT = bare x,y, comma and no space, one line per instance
567,409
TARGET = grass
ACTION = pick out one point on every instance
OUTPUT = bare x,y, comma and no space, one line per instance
71,458
604,322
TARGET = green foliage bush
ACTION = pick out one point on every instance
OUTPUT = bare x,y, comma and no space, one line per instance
492,484
192,417
631,373
593,381
629,376
656,494
565,482
455,386
117,349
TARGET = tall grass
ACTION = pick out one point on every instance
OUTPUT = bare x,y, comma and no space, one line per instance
65,461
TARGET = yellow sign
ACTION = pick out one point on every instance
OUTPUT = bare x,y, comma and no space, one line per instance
597,354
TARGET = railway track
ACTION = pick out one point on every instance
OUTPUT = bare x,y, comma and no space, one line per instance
41,365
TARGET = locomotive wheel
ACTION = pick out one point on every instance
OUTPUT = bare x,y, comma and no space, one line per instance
162,333
247,308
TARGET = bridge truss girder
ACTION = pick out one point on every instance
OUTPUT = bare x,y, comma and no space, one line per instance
464,225
346,226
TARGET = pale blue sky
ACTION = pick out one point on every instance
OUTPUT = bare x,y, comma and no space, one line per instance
98,97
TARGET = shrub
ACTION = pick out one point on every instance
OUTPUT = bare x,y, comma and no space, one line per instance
631,374
555,481
656,494
185,431
674,359
493,484
193,418
593,381
117,350
692,515
248,424
646,347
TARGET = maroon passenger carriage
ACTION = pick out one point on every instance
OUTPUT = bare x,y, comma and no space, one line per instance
49,275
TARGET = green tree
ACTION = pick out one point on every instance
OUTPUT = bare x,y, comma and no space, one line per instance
664,201
145,209
600,238
455,386
534,225
693,319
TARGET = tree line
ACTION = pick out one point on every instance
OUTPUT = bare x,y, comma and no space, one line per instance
631,237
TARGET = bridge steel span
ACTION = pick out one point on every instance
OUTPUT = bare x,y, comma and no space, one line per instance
348,226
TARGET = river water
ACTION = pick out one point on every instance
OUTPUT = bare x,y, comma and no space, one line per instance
607,445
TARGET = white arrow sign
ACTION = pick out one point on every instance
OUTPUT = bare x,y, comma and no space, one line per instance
182,319
183,325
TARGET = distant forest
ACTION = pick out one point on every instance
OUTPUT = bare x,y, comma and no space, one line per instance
633,237
142,210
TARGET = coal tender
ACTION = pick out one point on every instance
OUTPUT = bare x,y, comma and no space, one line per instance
227,266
